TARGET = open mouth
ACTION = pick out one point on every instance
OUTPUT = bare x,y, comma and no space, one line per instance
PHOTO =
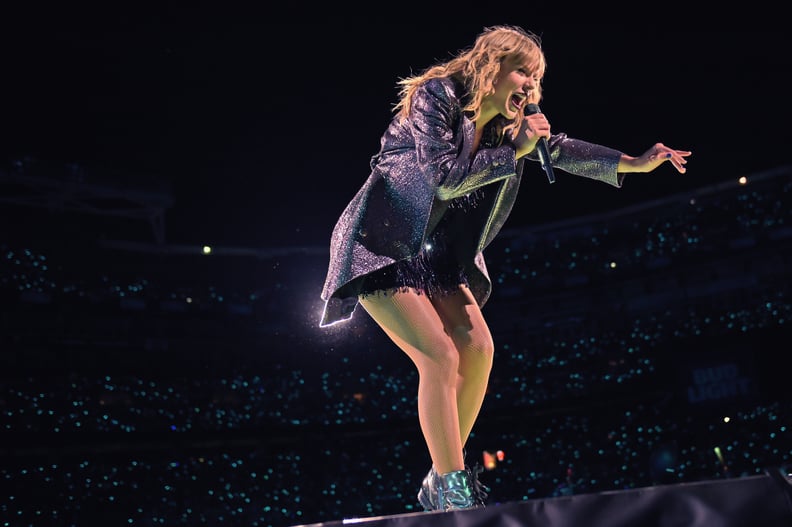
518,100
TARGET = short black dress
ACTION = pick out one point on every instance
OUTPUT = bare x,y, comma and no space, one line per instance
435,270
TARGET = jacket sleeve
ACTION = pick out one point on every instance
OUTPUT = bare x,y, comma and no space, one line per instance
582,158
444,154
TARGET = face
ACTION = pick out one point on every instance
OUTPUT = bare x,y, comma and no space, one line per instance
515,86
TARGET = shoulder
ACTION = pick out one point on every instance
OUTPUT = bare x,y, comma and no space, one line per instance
443,87
443,91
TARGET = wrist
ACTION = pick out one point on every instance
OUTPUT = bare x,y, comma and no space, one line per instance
627,163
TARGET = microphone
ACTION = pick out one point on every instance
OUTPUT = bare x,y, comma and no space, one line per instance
541,146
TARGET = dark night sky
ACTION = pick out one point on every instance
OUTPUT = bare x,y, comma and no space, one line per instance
263,122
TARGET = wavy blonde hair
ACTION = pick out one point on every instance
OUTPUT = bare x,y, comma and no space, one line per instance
479,65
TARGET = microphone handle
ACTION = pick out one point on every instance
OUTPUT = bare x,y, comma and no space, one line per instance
542,147
544,158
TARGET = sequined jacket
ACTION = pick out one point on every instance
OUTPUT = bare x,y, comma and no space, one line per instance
423,163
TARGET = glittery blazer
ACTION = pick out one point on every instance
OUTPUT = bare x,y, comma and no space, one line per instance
425,162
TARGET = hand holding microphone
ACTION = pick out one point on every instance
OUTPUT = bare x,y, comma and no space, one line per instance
542,148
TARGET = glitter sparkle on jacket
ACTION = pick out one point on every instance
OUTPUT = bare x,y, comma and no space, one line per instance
425,162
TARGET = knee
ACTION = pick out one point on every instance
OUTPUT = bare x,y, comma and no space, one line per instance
443,362
485,346
475,344
485,350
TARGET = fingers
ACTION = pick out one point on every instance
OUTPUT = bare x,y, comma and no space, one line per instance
678,159
679,164
659,153
537,124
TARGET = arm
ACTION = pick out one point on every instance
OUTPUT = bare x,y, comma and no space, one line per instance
653,158
536,126
602,163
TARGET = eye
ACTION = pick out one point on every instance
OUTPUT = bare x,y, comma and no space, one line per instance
525,72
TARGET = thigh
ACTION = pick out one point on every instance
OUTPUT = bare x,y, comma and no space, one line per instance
411,320
463,320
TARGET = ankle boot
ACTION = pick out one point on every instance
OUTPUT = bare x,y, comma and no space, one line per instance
427,496
480,490
455,491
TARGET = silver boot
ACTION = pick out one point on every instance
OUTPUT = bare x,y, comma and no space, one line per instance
480,490
427,496
455,491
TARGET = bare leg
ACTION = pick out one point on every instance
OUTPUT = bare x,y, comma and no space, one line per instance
466,326
449,342
412,322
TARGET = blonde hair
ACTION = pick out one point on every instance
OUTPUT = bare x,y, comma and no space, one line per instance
478,66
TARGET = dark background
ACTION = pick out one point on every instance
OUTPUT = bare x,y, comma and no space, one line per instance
261,121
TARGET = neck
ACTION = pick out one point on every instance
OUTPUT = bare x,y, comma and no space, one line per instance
486,115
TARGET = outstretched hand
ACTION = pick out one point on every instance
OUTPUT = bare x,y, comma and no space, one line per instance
653,158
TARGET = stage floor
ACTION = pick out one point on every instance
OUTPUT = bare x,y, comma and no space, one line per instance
753,501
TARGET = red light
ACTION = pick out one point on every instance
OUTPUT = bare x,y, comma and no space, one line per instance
490,462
